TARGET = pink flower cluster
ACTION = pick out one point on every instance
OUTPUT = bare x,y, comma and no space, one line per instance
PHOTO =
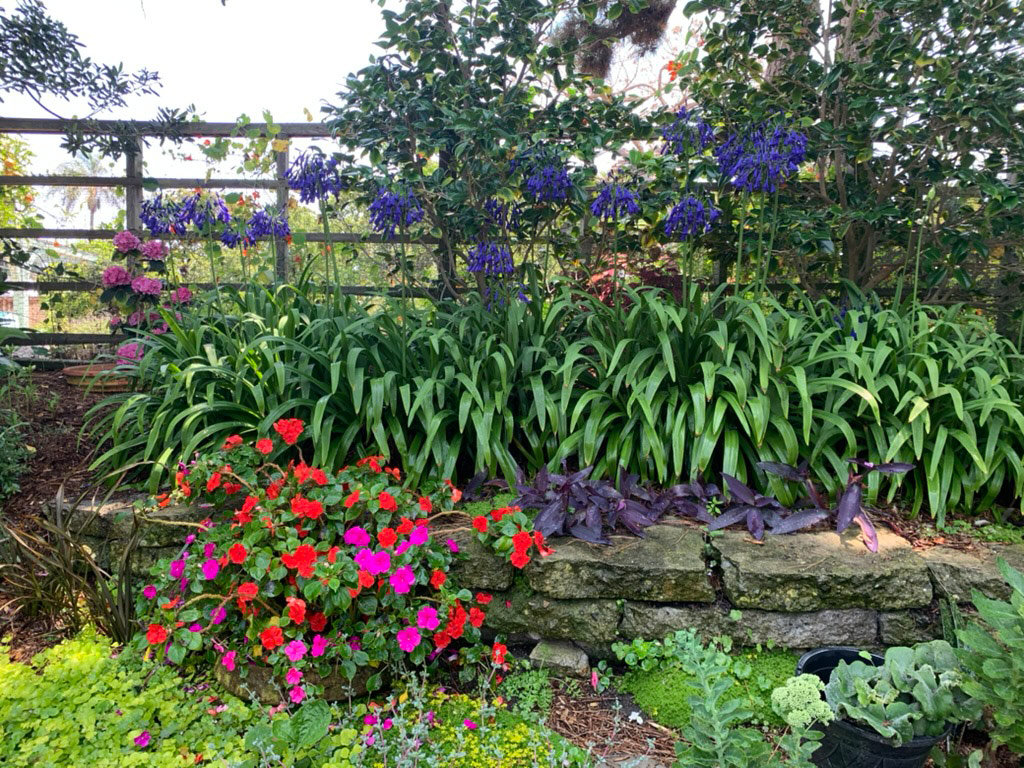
126,241
116,275
154,250
150,286
181,295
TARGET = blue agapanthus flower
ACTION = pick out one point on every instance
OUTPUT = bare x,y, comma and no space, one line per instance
491,259
233,239
265,222
757,159
687,133
202,212
506,216
315,176
614,201
545,178
158,215
394,209
690,217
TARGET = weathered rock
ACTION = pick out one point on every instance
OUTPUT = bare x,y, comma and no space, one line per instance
956,574
108,554
157,527
259,683
816,571
908,627
560,657
851,626
480,567
593,621
667,566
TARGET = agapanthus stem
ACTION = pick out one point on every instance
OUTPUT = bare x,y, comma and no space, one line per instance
771,242
739,250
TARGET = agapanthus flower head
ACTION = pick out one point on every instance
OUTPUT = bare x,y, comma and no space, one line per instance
314,176
503,215
266,223
158,215
491,259
614,201
757,159
690,217
686,133
394,209
548,183
203,212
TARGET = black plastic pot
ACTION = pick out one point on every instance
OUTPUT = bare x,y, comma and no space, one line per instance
846,745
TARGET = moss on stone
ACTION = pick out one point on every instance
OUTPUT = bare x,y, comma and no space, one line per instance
484,507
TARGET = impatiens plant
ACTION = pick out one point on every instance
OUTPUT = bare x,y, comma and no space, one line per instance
509,531
304,571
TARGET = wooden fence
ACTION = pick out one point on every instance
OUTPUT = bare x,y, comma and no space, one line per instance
135,182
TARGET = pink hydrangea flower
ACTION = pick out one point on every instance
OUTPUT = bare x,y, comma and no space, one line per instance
181,295
228,660
402,580
116,275
408,639
154,250
295,650
125,241
357,537
426,618
148,286
319,646
210,569
131,352
149,592
297,694
293,676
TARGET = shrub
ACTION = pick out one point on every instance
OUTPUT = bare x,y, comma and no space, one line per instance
314,571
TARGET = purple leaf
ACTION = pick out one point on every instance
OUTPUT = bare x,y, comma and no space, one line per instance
729,517
816,498
805,518
889,468
784,471
755,523
867,530
849,506
738,490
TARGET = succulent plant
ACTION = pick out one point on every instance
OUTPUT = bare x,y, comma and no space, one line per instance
915,692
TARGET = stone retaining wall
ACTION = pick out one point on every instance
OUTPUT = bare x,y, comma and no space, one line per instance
797,591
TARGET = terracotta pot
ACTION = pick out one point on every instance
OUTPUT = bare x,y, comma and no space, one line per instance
259,681
98,377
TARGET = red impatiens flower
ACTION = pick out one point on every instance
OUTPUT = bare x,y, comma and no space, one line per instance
480,523
274,489
232,488
538,540
442,639
156,634
351,499
237,553
405,526
317,622
387,538
332,554
387,502
425,505
456,493
182,484
483,598
213,483
365,579
248,591
302,560
476,617
519,559
231,442
271,638
296,609
521,541
318,477
437,579
373,461
306,508
289,430
265,445
498,651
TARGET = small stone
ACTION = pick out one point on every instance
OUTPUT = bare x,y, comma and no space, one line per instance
667,565
816,571
560,657
908,627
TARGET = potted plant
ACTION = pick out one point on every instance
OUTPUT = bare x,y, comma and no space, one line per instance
890,711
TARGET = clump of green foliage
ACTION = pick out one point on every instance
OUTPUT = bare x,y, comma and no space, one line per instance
15,387
527,690
661,686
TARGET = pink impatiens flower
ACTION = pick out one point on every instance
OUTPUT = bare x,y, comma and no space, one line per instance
453,546
357,537
297,694
419,536
469,724
142,740
293,676
402,580
228,660
149,592
426,618
319,646
408,639
295,650
210,569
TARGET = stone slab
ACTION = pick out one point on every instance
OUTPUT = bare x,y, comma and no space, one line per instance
667,565
810,629
158,527
520,612
956,574
478,567
560,657
816,571
908,627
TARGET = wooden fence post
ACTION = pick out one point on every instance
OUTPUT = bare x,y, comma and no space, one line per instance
280,246
133,189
